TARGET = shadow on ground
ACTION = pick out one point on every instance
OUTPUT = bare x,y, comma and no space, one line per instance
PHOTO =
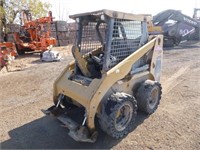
46,133
30,54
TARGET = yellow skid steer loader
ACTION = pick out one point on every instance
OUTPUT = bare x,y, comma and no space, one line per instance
116,71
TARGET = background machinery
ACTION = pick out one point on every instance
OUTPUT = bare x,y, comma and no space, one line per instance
7,54
116,71
34,34
177,27
7,49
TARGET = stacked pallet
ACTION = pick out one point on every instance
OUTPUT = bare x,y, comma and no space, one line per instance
62,33
72,27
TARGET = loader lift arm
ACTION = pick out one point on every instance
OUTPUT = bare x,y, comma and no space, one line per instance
176,15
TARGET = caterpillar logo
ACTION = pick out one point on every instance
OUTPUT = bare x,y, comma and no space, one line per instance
190,21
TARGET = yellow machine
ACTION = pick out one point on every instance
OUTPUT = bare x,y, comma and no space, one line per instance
116,71
152,29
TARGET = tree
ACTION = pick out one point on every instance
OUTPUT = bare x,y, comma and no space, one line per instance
12,9
2,19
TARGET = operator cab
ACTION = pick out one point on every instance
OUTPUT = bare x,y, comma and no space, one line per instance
103,41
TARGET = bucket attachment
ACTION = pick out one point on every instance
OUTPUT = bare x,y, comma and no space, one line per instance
78,132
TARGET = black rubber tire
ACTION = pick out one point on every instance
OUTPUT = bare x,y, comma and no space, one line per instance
144,96
108,118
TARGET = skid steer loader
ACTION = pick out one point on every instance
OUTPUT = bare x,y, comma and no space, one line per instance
116,71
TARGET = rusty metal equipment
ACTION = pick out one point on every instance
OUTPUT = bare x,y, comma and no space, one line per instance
7,54
34,34
116,71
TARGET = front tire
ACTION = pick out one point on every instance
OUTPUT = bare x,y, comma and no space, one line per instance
148,96
118,115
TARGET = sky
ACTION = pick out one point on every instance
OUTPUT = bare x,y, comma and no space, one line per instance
62,8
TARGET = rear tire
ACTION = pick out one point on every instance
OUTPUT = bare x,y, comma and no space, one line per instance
118,115
148,96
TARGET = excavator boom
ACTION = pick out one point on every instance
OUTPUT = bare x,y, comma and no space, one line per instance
177,27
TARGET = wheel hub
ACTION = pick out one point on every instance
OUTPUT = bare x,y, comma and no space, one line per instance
123,117
153,98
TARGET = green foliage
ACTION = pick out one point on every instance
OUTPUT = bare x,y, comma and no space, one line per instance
12,9
2,12
38,8
2,19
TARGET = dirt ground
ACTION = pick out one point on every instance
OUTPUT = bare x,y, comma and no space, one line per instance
175,124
